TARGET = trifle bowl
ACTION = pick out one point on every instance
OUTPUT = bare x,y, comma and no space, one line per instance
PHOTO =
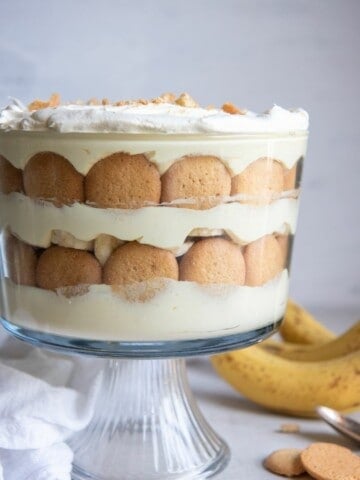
147,230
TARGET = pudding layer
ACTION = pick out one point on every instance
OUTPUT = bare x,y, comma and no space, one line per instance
33,221
84,150
171,310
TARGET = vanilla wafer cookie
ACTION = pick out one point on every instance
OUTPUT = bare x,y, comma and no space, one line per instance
63,267
20,261
260,181
123,181
264,259
201,180
10,177
51,177
286,462
134,262
213,260
328,461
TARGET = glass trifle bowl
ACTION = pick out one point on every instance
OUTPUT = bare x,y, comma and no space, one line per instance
147,231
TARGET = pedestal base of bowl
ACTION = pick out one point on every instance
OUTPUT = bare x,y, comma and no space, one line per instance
147,425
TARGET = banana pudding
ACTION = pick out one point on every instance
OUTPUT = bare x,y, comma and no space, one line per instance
147,220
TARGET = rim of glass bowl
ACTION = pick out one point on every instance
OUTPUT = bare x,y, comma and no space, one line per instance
161,136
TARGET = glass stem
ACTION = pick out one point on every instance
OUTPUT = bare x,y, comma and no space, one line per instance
147,426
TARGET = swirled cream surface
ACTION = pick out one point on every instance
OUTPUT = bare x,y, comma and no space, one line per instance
150,118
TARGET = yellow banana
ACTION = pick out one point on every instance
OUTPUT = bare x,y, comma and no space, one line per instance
299,326
346,343
292,387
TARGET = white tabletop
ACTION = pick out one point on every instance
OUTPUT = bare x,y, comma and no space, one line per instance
251,431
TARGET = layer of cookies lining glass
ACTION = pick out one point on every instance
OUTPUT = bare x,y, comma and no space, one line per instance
147,246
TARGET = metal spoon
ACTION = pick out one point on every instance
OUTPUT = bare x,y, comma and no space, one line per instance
345,425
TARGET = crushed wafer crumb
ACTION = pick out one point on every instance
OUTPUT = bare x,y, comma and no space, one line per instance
167,97
289,428
53,101
233,109
93,101
141,291
185,100
73,291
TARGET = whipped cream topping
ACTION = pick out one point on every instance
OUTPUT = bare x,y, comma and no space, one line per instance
150,118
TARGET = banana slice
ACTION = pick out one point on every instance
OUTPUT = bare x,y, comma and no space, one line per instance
65,239
104,247
206,232
179,252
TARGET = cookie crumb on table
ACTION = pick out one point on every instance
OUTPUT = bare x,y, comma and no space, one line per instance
289,428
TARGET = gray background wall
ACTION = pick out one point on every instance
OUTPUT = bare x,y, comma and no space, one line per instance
252,52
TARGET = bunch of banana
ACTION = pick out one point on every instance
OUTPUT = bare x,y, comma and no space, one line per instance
294,378
346,343
299,326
